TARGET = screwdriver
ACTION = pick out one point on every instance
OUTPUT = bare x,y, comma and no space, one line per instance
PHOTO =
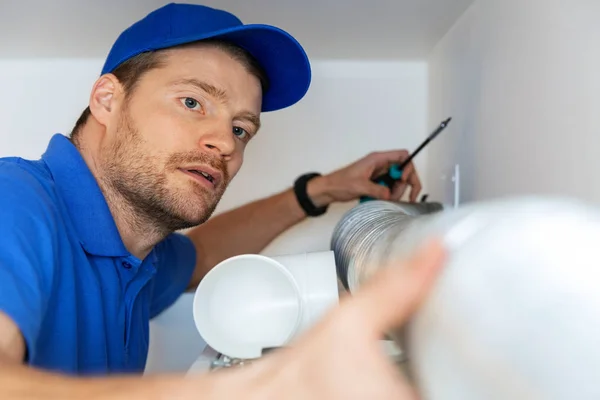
395,171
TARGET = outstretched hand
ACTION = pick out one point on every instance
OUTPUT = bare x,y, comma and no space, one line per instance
341,357
356,180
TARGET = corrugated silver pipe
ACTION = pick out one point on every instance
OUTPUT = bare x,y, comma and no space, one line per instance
362,237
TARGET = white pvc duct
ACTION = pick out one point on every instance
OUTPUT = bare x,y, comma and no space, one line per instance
515,313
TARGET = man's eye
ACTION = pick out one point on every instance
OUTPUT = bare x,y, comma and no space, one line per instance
190,103
240,132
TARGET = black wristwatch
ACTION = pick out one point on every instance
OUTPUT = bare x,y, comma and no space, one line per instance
302,196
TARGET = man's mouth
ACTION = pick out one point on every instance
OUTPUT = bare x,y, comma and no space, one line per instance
206,175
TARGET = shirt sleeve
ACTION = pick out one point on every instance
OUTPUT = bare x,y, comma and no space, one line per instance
175,265
27,228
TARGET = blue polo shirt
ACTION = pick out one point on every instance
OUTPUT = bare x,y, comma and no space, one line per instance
81,300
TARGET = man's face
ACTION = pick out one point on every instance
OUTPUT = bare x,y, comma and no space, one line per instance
179,139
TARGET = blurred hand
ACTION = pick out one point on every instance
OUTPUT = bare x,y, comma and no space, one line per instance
341,357
355,180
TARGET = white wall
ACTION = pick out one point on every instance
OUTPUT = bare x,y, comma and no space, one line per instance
454,81
353,108
521,79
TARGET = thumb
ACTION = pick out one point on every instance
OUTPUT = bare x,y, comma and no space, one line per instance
392,294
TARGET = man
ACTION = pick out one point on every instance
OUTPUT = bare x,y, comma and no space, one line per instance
90,252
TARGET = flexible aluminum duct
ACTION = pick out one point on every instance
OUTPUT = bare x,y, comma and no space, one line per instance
515,313
361,236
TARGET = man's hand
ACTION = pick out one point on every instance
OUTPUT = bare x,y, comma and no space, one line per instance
355,180
341,357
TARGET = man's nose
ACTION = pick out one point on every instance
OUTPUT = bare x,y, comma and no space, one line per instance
219,139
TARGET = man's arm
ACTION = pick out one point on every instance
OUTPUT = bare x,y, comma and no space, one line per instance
250,228
18,381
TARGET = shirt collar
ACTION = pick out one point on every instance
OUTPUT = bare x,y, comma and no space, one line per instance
85,201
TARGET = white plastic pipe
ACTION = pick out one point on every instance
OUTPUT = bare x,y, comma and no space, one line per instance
515,313
251,302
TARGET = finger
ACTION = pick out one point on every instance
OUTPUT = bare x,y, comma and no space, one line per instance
384,168
382,161
415,185
398,190
410,178
376,191
407,172
393,293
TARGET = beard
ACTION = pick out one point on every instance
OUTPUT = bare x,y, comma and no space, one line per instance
137,178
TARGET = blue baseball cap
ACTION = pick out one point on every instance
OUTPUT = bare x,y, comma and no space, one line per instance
280,55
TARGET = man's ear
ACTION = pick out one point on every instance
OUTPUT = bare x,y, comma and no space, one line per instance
105,97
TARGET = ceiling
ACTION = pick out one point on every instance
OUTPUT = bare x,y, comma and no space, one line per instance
328,29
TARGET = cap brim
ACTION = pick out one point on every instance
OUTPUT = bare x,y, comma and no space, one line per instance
284,60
